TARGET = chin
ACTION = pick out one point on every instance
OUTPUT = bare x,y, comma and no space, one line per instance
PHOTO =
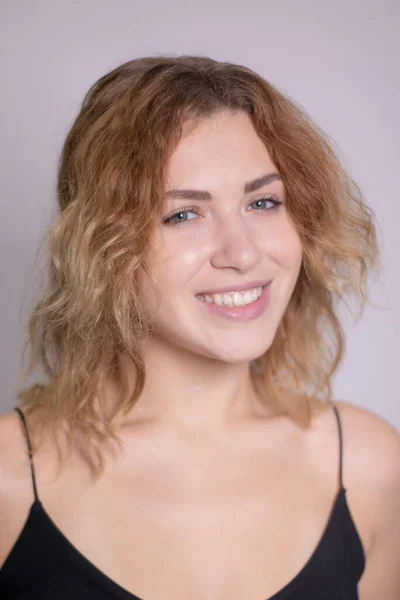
240,355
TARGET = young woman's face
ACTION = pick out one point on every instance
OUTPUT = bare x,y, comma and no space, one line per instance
232,234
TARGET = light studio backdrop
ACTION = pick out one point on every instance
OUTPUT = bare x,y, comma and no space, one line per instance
340,60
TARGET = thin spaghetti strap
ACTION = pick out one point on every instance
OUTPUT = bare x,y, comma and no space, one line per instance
28,443
340,446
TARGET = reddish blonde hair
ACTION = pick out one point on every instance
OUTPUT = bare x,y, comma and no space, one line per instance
110,194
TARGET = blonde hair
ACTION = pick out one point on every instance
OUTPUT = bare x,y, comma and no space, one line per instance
110,195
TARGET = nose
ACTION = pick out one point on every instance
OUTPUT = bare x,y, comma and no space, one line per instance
236,246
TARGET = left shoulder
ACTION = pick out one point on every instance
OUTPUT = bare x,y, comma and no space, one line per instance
374,444
371,474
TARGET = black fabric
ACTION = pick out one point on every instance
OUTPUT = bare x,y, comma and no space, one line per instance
44,565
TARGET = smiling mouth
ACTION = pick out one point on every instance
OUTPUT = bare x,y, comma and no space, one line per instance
234,299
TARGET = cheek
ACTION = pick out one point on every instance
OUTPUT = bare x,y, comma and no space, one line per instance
176,250
283,245
174,269
188,257
178,263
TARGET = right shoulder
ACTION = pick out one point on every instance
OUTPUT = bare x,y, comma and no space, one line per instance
16,490
14,458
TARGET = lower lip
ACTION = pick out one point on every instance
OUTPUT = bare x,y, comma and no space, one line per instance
247,312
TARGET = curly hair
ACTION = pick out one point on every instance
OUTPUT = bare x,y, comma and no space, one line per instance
110,194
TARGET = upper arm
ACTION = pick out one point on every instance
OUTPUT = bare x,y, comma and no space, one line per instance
378,458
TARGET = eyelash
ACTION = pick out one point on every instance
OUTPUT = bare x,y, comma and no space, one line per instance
195,209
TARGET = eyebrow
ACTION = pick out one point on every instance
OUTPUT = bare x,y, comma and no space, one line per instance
250,186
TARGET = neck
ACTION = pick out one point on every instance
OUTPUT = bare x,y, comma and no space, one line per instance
191,392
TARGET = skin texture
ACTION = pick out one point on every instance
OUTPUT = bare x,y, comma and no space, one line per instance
214,491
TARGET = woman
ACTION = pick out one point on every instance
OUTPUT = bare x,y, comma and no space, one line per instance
185,443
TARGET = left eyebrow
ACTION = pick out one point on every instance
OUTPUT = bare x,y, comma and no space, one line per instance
249,186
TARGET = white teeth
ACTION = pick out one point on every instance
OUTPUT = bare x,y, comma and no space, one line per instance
233,298
238,298
228,300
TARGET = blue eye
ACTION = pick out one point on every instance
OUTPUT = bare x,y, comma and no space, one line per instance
179,216
274,200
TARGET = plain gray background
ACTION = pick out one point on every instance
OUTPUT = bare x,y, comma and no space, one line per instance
340,60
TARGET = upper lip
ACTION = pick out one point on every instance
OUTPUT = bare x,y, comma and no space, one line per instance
239,287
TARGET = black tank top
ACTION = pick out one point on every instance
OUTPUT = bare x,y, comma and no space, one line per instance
44,565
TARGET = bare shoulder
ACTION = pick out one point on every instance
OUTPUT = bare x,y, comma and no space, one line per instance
372,478
371,445
13,451
16,494
371,475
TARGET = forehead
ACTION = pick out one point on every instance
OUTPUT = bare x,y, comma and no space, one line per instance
224,147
